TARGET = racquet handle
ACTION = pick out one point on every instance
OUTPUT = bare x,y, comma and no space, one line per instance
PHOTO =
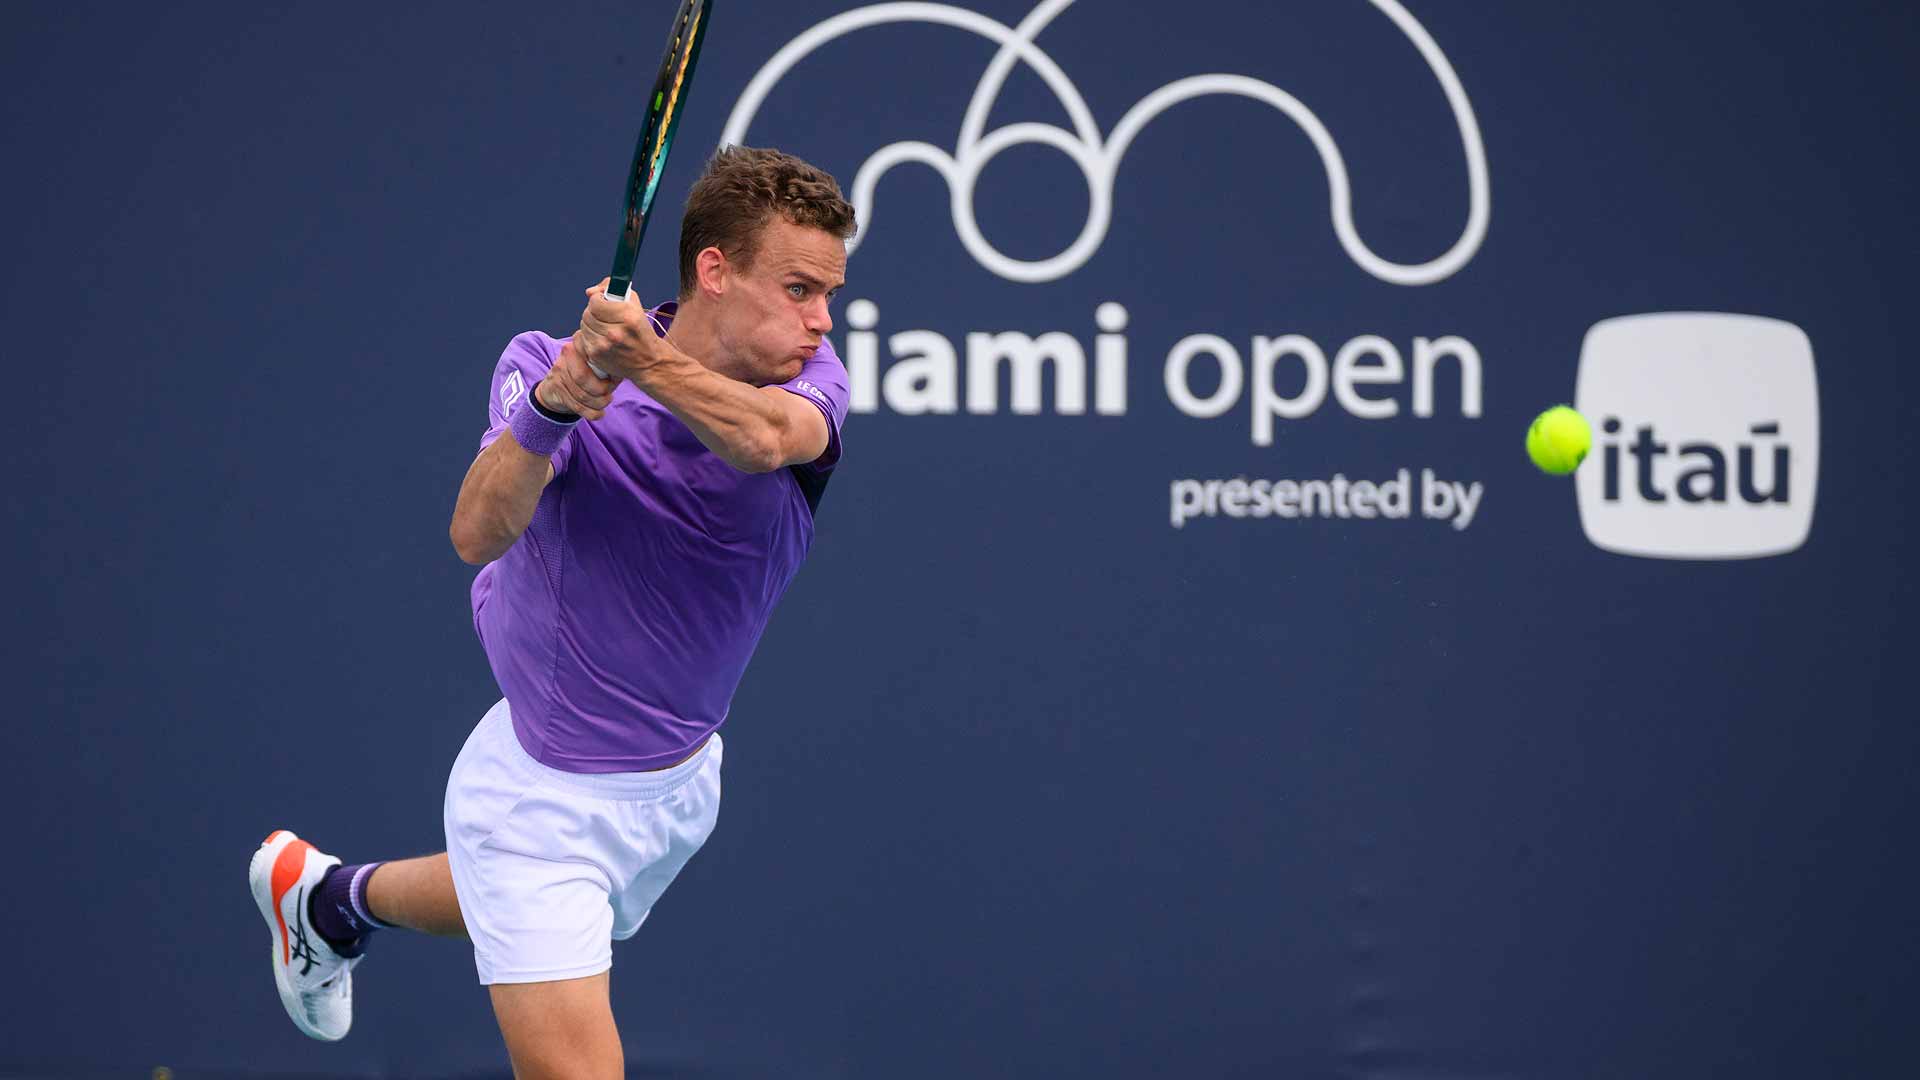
628,297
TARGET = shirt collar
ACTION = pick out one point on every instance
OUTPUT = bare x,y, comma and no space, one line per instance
663,316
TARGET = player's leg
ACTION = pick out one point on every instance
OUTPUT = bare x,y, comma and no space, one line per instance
558,1030
417,894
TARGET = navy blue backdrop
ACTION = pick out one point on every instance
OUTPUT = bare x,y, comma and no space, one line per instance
1025,780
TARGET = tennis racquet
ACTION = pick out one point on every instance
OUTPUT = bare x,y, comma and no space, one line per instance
666,103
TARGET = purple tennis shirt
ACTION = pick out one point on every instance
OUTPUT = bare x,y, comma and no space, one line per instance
621,621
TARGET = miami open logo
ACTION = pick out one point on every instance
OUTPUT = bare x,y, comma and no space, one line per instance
1099,155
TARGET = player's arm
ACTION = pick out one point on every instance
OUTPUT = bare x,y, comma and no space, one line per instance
755,429
503,485
497,498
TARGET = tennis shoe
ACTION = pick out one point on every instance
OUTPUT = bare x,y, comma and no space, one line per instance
315,983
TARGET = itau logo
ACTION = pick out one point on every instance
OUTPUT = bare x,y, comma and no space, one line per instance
1707,436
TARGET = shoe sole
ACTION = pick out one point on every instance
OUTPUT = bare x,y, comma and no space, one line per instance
276,867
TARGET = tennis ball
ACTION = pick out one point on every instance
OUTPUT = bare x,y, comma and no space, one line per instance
1558,440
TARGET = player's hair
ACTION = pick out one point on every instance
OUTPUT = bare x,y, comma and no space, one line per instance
740,190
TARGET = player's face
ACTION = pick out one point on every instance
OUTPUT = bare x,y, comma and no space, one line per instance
774,312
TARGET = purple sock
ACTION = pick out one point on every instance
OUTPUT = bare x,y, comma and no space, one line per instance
339,911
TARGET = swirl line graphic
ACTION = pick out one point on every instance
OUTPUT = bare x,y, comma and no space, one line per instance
1099,157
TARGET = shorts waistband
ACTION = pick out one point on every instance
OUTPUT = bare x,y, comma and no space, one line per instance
619,785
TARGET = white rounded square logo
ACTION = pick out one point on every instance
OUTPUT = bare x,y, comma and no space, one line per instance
1706,436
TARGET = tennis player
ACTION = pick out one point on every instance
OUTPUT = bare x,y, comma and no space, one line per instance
635,533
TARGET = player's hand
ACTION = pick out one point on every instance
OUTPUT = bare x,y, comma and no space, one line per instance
573,387
617,336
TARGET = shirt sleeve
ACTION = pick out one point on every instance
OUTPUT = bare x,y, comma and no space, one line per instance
525,362
823,381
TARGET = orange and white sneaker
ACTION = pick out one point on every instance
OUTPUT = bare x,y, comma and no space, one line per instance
315,983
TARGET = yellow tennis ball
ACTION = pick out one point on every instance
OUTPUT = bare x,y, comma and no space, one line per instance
1558,440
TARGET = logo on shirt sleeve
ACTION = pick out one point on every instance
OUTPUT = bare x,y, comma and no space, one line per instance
512,389
812,391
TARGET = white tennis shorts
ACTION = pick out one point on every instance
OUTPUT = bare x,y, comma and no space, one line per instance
551,866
